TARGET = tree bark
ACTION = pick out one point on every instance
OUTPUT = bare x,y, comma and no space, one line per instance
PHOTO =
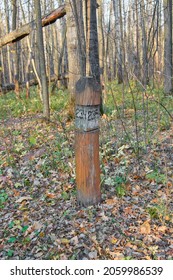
92,52
168,85
145,78
118,41
72,47
15,50
40,45
101,39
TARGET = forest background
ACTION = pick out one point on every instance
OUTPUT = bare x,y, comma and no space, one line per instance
41,218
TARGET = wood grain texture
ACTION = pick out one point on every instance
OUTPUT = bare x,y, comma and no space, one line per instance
87,167
88,92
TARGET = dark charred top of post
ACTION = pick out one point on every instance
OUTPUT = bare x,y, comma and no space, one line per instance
88,92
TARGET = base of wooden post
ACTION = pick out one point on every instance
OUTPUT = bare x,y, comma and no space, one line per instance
87,167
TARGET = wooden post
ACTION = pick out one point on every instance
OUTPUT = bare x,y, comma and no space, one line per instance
87,114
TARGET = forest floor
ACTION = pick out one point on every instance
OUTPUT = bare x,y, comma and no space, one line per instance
40,217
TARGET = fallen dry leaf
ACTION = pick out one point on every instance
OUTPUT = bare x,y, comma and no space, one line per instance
93,255
65,241
50,195
162,229
21,199
111,201
145,228
114,240
74,240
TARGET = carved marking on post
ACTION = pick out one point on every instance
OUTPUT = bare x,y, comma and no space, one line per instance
87,117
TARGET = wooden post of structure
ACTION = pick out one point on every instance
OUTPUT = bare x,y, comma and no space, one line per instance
87,114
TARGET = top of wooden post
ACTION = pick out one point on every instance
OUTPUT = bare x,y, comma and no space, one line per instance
88,92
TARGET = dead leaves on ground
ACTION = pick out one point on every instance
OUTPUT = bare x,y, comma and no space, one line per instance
40,215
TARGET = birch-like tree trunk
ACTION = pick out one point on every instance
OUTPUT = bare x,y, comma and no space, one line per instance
72,47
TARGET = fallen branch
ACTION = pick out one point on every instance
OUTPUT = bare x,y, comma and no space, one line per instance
26,29
9,87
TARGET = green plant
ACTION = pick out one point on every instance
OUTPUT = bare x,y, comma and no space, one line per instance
12,239
120,190
158,211
156,176
26,240
32,140
118,182
10,253
165,123
65,195
153,212
3,198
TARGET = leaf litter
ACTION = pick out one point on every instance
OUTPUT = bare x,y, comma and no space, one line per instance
40,217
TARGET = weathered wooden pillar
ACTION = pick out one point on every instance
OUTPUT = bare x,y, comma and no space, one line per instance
87,114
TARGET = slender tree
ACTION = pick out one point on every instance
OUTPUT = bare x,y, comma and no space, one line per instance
168,85
145,78
45,93
118,40
15,49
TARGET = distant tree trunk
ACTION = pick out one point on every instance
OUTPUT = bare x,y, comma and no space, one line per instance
2,70
145,78
45,93
137,70
168,85
107,49
122,41
6,4
15,49
101,38
118,41
72,47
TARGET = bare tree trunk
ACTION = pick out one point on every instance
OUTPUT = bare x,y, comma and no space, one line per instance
145,78
118,40
137,70
45,94
168,85
8,47
15,49
101,39
72,46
